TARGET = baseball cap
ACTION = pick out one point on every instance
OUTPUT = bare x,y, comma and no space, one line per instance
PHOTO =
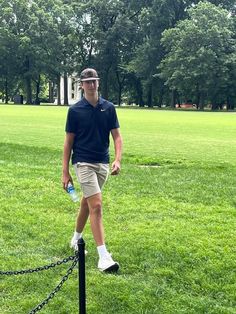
88,75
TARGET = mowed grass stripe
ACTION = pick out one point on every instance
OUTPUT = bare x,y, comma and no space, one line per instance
171,226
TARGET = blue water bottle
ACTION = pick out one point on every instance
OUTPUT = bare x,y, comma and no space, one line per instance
72,192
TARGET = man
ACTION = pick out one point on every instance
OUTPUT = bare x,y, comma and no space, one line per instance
89,124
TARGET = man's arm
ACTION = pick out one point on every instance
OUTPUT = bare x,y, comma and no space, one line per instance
66,177
118,143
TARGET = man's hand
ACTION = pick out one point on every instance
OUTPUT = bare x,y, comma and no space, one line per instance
66,178
115,168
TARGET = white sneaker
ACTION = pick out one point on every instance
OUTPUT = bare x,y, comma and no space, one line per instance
74,245
107,264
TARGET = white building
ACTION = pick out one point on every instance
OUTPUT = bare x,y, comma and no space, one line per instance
74,91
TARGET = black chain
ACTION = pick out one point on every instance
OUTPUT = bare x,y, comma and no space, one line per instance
58,287
41,268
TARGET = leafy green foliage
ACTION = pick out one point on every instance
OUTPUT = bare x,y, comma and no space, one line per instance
122,40
200,54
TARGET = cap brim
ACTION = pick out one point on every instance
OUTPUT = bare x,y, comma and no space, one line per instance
90,79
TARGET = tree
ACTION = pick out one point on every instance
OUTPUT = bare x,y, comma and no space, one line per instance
43,32
52,38
157,16
199,54
108,32
8,63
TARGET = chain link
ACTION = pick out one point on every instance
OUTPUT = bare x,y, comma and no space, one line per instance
37,269
39,307
58,287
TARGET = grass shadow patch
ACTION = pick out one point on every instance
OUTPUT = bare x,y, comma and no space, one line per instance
31,155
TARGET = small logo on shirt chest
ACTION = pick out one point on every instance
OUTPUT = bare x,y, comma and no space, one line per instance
103,109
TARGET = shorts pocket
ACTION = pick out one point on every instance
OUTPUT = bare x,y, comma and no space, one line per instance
84,173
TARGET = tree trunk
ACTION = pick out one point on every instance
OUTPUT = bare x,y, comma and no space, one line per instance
198,96
28,91
139,92
120,86
90,52
119,94
51,90
160,99
37,101
58,89
173,99
201,101
214,104
66,89
6,91
28,80
230,104
198,100
105,84
149,96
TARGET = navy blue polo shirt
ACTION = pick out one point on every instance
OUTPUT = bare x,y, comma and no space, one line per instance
91,126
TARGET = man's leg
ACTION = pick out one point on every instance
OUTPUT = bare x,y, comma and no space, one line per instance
105,262
82,216
95,211
81,220
91,206
91,178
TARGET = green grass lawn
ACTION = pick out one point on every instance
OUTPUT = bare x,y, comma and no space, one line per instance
170,217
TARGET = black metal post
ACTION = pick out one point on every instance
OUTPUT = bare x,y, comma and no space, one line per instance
81,273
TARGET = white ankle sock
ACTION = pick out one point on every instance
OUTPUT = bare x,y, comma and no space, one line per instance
77,235
102,251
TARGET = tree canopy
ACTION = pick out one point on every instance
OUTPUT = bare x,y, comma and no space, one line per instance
148,52
200,55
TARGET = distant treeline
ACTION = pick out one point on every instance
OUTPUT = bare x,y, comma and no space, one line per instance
147,52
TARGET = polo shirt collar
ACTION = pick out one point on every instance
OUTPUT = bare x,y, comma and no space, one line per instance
86,103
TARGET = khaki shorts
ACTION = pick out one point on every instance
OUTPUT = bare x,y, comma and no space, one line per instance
91,177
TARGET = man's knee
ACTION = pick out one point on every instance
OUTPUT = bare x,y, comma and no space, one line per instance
95,205
84,203
96,209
